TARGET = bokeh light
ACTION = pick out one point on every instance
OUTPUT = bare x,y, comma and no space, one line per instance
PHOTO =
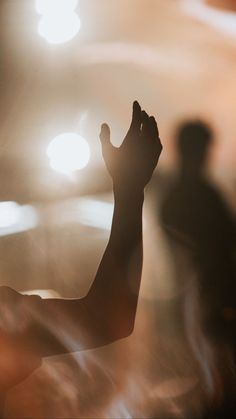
16,218
60,28
59,23
68,152
9,214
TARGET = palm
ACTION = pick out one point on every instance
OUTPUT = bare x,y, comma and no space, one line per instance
135,160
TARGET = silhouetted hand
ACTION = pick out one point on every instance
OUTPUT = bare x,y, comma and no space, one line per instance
131,165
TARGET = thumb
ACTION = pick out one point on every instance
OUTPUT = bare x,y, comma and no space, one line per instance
105,135
105,139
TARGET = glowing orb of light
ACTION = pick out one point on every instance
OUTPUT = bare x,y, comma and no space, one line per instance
60,28
9,214
68,152
49,7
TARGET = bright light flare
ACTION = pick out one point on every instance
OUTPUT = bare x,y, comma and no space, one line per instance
9,214
68,152
60,28
15,218
94,213
52,7
59,23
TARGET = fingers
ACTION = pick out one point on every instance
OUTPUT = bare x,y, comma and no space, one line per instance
136,117
153,128
145,124
154,131
150,129
105,134
105,140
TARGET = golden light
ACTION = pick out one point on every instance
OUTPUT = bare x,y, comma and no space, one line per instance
68,152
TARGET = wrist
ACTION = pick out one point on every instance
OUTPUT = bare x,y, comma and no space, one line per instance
128,192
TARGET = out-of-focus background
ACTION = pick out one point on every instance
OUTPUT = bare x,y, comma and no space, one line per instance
67,72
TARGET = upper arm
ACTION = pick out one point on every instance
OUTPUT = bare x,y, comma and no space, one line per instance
46,327
60,326
43,327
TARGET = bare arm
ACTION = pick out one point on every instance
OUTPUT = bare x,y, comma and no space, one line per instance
108,311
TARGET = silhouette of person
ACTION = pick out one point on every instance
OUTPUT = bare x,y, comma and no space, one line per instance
32,328
195,215
194,210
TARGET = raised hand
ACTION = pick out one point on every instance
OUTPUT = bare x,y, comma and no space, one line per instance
131,165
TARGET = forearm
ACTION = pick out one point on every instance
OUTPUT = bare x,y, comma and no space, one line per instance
116,286
126,230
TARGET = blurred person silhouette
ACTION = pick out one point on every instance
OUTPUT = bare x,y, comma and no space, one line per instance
32,328
198,220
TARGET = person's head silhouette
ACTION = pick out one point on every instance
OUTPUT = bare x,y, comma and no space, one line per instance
193,140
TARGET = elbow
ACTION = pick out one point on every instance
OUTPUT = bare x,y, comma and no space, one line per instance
120,329
121,321
112,331
113,322
127,330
